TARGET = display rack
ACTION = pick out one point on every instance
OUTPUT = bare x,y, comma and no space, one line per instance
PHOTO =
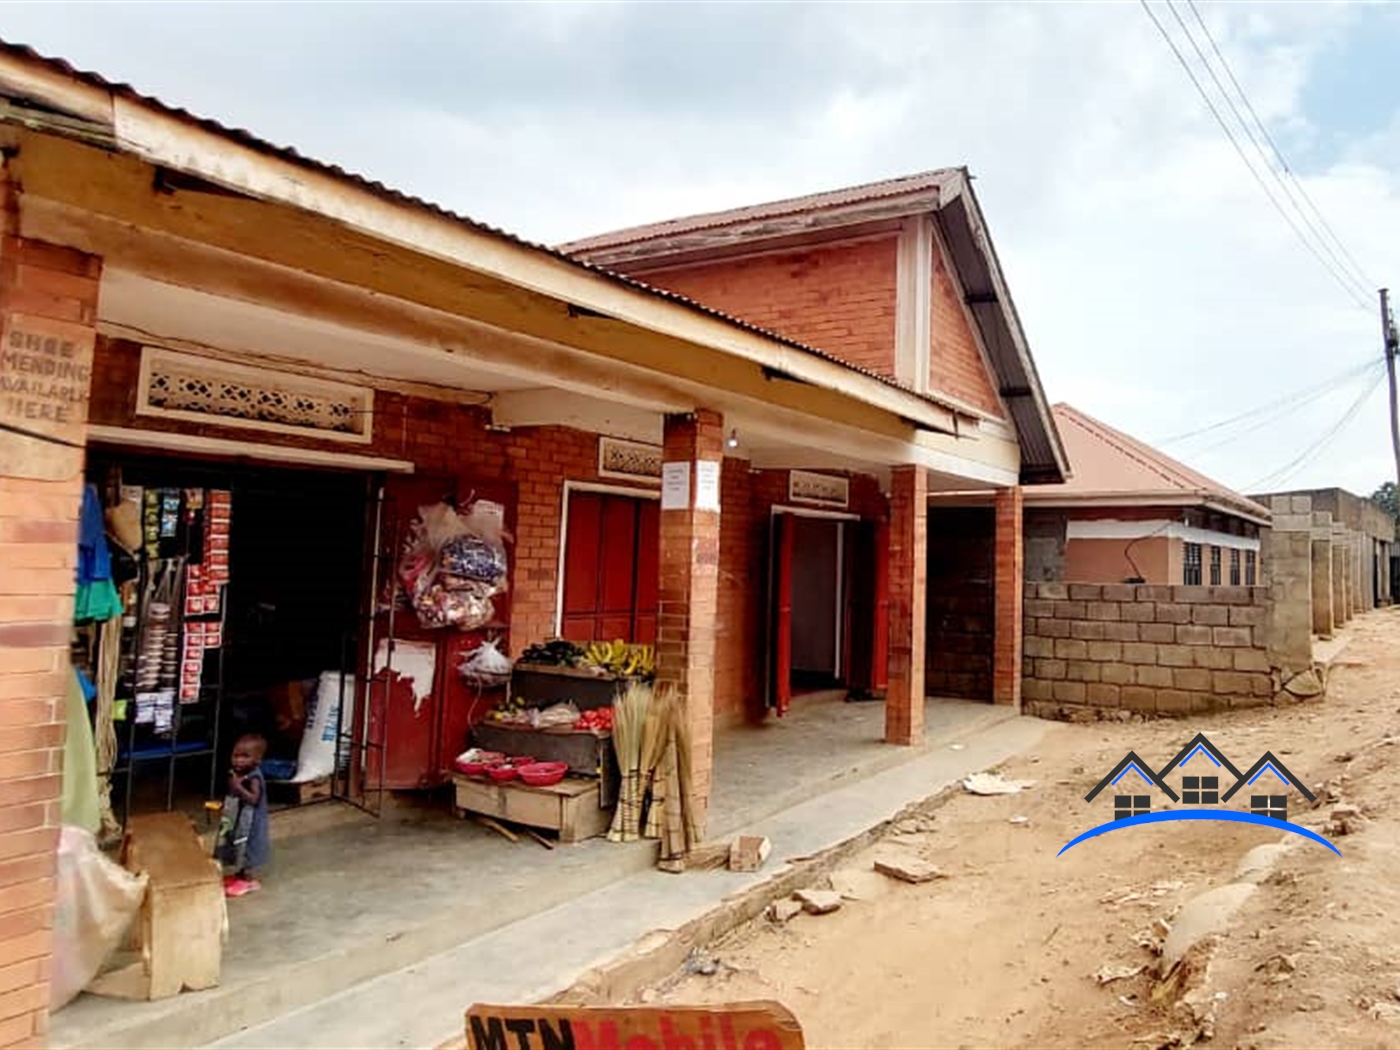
588,752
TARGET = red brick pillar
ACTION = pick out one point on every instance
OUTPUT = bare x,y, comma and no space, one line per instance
48,303
685,649
1009,590
904,700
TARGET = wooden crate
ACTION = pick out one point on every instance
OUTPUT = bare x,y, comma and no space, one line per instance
569,807
299,793
181,929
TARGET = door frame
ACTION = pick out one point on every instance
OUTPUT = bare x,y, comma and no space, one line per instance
842,517
569,488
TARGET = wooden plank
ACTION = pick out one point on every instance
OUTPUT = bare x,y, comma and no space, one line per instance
756,1025
499,829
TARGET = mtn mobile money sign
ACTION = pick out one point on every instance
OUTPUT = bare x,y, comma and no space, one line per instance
758,1025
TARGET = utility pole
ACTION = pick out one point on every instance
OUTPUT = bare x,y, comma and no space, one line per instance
1392,347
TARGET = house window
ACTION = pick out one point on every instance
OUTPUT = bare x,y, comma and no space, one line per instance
1215,566
1249,579
1200,791
1275,806
1191,570
1125,806
1234,568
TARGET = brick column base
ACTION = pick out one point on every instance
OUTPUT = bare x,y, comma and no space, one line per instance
1009,588
48,302
908,592
685,647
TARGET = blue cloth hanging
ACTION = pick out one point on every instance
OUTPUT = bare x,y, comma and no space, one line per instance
94,560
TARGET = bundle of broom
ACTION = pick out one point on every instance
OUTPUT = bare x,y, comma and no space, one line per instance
669,812
630,712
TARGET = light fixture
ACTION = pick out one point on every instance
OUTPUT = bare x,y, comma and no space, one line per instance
733,439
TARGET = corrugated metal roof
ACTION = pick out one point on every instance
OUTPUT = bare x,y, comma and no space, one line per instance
1109,463
921,182
286,153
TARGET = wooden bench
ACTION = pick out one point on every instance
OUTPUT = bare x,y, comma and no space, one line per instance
180,932
569,807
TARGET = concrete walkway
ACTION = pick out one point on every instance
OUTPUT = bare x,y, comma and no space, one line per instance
422,1005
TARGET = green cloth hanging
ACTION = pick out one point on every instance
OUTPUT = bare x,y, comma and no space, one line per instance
96,601
81,808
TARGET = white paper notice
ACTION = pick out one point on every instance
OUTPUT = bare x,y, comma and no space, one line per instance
675,486
707,485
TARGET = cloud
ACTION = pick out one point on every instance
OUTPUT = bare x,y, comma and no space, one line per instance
1158,286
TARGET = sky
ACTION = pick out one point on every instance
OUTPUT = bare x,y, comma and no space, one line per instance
1160,290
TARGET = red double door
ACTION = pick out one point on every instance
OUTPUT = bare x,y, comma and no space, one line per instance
612,554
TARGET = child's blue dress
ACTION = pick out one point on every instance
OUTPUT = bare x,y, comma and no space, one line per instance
245,840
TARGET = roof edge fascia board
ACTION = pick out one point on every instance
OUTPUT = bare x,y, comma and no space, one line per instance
179,142
734,237
976,228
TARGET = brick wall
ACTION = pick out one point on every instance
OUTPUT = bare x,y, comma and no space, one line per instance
1093,648
956,366
961,569
840,298
38,538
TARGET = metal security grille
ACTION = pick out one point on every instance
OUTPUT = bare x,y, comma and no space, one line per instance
1234,568
1191,568
195,388
1215,566
1249,569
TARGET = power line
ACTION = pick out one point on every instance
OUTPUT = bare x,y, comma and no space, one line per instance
1274,418
1302,396
1310,453
1355,268
1340,266
1229,133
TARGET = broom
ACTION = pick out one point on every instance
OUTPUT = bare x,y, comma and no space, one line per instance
629,723
655,741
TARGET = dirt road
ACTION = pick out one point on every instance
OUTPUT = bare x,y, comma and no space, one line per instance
1003,952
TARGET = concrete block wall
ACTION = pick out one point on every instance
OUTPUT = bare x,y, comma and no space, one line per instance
1153,650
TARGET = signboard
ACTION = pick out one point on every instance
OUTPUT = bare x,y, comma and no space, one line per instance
822,490
759,1025
707,485
675,486
45,373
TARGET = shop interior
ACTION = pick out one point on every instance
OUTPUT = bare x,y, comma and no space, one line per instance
245,585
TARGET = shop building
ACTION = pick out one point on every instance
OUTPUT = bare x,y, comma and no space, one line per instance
278,365
1132,514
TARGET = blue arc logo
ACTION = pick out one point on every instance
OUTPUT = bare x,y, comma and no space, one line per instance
1200,814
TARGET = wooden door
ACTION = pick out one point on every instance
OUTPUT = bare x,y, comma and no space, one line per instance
867,607
880,644
780,606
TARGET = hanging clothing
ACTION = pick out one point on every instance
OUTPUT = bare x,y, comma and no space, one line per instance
80,807
96,597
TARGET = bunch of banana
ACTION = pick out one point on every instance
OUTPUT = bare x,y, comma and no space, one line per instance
619,658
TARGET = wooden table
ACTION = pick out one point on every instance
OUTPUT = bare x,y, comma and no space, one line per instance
569,807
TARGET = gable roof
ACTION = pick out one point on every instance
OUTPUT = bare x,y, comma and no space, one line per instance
1200,741
927,183
1131,760
945,194
1111,466
1256,770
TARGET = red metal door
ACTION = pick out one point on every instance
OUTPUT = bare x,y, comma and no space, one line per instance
780,687
611,568
648,571
402,730
579,622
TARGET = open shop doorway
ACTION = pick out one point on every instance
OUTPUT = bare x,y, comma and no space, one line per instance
250,600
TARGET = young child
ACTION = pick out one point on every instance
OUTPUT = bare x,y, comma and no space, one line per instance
244,841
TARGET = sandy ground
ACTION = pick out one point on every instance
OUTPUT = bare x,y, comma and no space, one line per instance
1003,952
